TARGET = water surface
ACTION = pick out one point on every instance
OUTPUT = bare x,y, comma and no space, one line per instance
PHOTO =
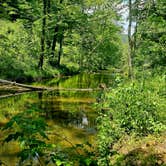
69,113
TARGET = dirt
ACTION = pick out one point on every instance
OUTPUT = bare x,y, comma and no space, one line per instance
149,151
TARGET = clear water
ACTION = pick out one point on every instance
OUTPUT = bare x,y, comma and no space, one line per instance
69,113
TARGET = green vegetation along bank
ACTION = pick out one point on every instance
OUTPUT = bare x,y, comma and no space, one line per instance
45,38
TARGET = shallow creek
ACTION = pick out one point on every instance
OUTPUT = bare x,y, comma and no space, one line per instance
69,113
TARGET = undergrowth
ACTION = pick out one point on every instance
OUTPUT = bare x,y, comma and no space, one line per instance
133,109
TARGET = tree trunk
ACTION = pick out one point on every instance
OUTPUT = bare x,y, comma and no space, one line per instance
60,49
55,37
130,67
22,85
54,41
135,39
48,6
41,60
136,28
48,40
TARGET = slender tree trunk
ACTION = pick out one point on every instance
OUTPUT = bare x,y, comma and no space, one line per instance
55,37
60,49
54,41
48,6
41,60
48,42
130,67
135,39
135,29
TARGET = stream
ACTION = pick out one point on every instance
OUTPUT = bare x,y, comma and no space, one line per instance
69,113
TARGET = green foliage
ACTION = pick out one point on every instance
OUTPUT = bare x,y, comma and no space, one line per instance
28,128
99,38
16,59
13,50
18,56
134,109
137,109
108,134
69,69
150,46
75,155
89,34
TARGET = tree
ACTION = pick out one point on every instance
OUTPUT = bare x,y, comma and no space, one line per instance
150,44
130,41
77,34
99,34
43,35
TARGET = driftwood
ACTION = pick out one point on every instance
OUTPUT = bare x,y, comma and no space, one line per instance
33,88
18,88
23,85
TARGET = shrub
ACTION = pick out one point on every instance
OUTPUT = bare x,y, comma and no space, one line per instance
132,109
136,109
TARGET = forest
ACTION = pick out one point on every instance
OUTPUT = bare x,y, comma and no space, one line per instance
82,82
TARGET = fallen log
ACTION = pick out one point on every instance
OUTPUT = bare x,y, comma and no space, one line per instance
34,88
45,88
27,88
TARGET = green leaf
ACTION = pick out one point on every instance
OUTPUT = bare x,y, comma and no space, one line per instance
9,124
13,136
59,162
24,154
42,133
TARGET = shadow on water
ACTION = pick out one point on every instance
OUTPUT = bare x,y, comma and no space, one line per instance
70,113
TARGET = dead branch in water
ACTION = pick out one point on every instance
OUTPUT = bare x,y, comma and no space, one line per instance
9,85
33,88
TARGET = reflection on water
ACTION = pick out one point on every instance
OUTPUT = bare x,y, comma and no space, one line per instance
70,113
84,120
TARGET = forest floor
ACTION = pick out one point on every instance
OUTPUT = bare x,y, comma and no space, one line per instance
147,151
